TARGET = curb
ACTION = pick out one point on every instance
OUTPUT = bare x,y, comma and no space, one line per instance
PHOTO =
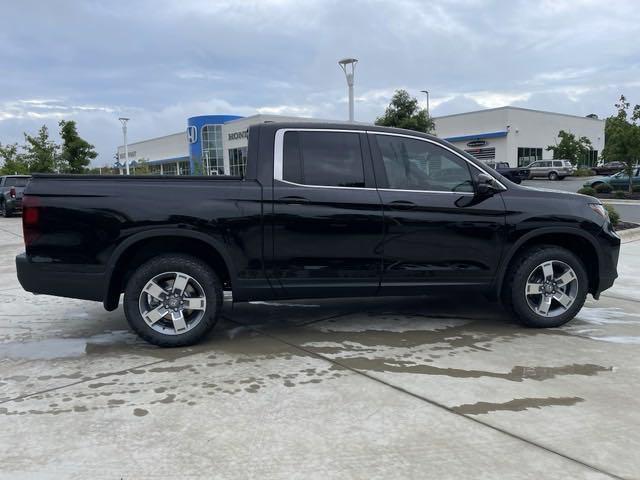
629,235
612,201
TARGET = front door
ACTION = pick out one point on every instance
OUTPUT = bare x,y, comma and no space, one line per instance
327,216
437,231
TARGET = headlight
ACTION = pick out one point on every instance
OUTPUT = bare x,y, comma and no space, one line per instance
600,210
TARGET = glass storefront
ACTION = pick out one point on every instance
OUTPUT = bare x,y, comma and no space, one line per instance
212,158
238,161
527,155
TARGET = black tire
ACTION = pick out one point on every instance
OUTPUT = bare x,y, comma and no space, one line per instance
3,210
191,266
513,294
553,176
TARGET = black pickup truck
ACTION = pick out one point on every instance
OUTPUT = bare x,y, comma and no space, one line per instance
516,175
324,210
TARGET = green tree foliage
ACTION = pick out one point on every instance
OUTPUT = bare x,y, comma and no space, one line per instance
13,162
570,147
76,153
622,137
404,112
41,153
142,167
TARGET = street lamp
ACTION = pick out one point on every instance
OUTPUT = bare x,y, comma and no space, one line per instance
348,66
427,92
124,121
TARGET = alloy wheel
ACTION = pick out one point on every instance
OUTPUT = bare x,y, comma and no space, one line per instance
172,303
551,288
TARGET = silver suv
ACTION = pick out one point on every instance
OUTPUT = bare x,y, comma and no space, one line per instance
552,169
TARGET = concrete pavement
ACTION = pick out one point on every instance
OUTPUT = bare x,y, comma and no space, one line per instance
367,388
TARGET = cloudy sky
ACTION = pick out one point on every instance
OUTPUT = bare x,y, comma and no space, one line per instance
160,62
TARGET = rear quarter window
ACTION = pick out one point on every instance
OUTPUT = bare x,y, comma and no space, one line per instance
332,159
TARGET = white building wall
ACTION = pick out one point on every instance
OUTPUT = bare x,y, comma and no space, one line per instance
531,128
526,128
160,148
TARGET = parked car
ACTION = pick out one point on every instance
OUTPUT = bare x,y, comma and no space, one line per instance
324,210
551,169
11,189
608,168
516,175
619,181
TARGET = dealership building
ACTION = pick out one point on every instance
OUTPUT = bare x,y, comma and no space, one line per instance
217,144
515,135
210,145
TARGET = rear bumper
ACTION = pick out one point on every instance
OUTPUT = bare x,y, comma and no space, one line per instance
59,280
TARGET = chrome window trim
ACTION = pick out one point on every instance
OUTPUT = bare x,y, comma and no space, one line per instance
278,158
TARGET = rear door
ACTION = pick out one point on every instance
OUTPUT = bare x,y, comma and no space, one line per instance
327,215
437,231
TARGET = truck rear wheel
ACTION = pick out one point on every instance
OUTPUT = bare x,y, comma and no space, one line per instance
547,286
173,300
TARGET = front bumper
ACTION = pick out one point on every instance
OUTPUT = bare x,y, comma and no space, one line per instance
59,280
609,246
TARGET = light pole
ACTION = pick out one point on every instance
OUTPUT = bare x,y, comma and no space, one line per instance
124,121
427,92
348,66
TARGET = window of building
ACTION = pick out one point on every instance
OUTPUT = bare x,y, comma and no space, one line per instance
184,168
417,165
592,158
238,161
323,158
527,155
169,169
212,158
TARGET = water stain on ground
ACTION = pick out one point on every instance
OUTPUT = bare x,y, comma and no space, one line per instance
140,412
515,405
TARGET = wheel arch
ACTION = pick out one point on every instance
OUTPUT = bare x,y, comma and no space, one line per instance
139,248
574,240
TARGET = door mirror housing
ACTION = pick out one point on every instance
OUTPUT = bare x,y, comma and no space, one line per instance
487,185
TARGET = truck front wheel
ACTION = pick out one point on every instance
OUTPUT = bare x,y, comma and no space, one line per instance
173,300
546,286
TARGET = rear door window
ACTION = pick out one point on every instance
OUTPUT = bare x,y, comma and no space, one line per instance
332,159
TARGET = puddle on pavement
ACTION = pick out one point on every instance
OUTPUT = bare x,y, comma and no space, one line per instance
515,405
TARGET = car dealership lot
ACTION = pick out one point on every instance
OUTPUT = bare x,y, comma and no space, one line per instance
371,388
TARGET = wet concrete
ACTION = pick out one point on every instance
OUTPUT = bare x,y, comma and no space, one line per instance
366,388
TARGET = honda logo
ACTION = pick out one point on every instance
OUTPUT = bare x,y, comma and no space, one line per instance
192,134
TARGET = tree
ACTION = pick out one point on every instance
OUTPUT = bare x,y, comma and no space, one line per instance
404,112
570,148
41,153
77,153
142,167
622,138
14,162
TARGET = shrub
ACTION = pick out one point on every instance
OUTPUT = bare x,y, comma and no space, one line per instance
619,194
614,216
636,189
604,188
587,191
583,172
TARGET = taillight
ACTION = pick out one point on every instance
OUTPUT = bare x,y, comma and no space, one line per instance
30,219
12,192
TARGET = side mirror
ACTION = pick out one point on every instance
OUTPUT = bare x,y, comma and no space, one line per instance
486,185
